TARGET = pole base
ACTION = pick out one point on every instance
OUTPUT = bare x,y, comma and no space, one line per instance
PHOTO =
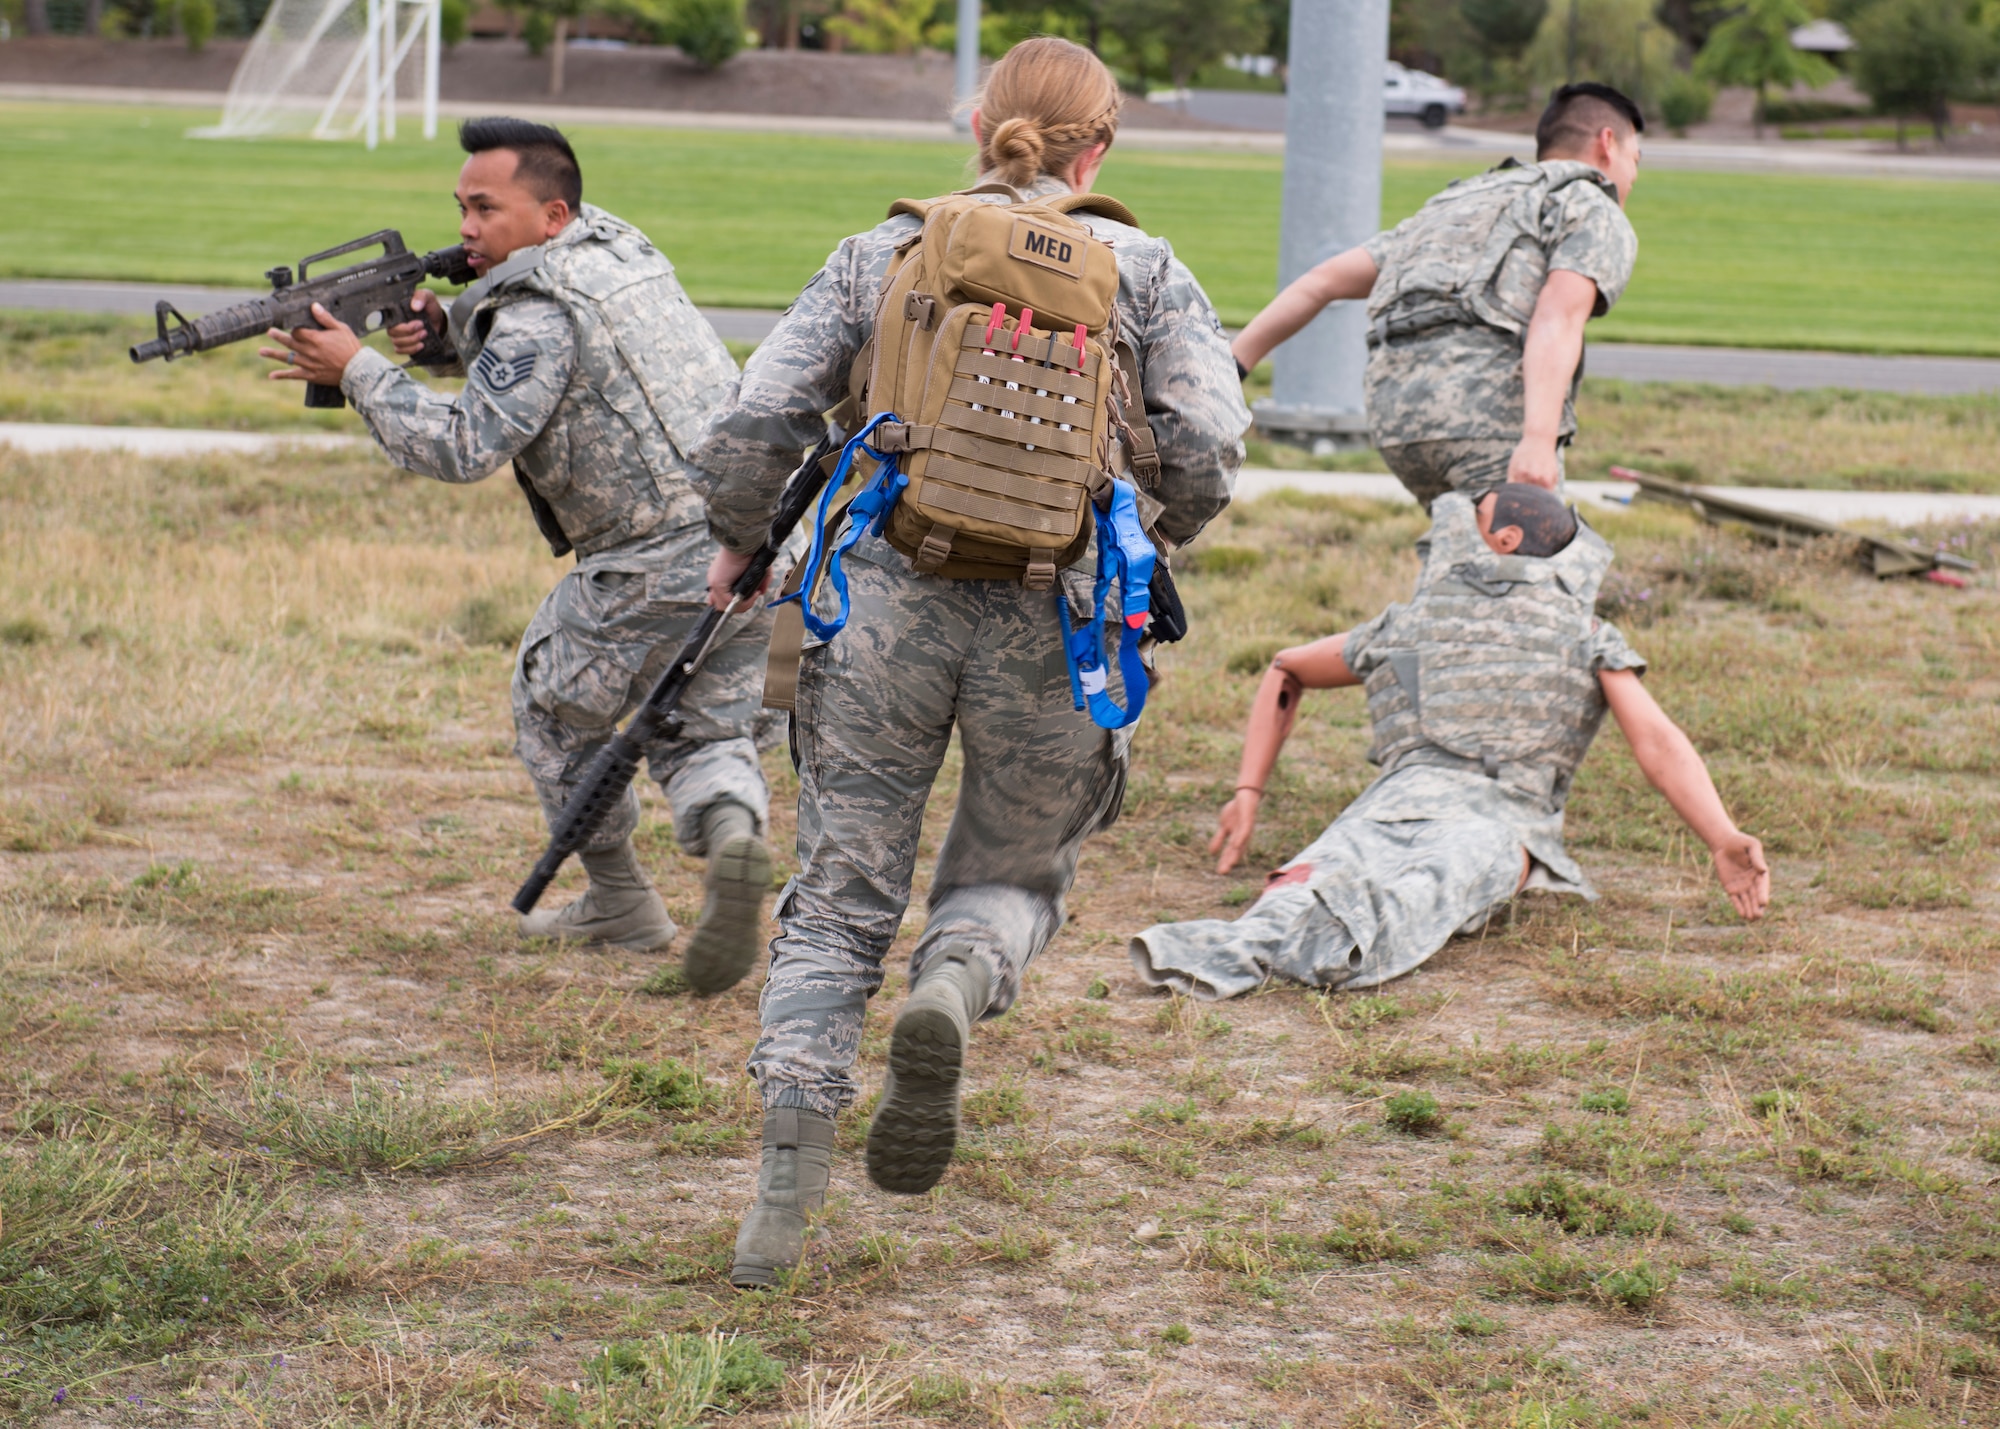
1319,429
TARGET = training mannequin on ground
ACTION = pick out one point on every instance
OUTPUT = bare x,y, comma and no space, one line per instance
1485,690
1477,304
588,369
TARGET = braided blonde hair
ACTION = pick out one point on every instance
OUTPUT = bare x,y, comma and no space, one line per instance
1045,102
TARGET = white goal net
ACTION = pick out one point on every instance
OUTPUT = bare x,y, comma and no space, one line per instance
334,69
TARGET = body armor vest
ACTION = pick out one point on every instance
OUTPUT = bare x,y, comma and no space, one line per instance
1447,258
1487,667
608,467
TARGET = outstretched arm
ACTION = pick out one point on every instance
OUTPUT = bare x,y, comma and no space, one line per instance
1552,349
1318,666
1675,768
1345,275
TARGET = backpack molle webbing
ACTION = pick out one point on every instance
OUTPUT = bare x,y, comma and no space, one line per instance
1004,428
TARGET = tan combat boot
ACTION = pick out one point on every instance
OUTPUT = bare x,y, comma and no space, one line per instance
915,1127
620,909
791,1186
731,933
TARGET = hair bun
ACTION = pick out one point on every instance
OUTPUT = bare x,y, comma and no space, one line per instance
1017,148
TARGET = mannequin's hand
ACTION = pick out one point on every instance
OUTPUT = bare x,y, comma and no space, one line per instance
1234,827
1746,878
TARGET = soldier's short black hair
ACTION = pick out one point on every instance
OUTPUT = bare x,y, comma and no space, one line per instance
1577,111
546,164
1546,524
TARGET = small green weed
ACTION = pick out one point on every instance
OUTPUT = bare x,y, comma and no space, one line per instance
668,1085
1583,1209
669,1381
1613,1101
1177,1334
1413,1113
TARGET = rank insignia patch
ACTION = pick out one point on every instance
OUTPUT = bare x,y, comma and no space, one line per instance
501,374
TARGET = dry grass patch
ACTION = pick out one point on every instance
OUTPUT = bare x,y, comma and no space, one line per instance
261,822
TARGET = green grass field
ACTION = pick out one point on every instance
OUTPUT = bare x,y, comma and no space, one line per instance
1725,259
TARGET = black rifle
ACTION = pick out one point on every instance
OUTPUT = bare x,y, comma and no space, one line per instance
605,782
368,296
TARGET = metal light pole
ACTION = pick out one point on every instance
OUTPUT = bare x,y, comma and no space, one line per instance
966,80
1332,201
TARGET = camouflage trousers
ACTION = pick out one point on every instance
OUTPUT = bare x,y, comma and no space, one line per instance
877,705
591,653
1364,903
1475,466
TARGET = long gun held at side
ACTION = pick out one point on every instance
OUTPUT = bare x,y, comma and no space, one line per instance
368,296
605,782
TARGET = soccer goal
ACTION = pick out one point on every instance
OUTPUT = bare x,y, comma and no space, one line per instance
333,69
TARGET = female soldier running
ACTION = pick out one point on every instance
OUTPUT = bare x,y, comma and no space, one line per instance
924,652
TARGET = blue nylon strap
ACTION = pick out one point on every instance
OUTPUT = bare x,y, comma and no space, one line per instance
868,511
1123,551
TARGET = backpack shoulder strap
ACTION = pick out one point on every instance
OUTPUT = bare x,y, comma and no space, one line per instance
921,207
1103,205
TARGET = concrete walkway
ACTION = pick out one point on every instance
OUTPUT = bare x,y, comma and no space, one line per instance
1634,362
1896,508
1893,508
43,438
1822,158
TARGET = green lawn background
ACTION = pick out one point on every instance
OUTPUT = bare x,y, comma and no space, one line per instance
1727,259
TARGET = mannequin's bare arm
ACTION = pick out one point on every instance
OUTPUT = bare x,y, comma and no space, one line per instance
1318,666
1345,275
1675,768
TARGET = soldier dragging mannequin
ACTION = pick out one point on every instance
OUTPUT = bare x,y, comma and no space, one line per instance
1477,304
996,341
587,368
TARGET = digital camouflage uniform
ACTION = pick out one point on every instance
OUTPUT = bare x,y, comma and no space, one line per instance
590,370
1457,283
923,654
1484,695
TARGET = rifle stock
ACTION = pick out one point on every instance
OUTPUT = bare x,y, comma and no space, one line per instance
605,782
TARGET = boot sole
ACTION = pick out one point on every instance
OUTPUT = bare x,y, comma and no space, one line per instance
726,941
915,1130
749,1275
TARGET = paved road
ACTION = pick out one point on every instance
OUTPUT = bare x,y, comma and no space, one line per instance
1892,507
1635,362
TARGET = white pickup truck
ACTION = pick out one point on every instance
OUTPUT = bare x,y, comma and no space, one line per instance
1425,97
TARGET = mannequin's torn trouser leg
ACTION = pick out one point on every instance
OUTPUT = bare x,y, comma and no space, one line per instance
1364,903
876,710
588,658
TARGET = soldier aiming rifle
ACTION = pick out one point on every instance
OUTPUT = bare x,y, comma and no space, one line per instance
587,368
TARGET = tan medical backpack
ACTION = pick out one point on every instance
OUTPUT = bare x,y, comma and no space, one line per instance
1005,430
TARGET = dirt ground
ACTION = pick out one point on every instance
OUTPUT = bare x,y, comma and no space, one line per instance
300,1133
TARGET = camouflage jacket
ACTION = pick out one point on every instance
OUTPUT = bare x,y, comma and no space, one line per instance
587,367
1192,396
1458,282
1483,687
